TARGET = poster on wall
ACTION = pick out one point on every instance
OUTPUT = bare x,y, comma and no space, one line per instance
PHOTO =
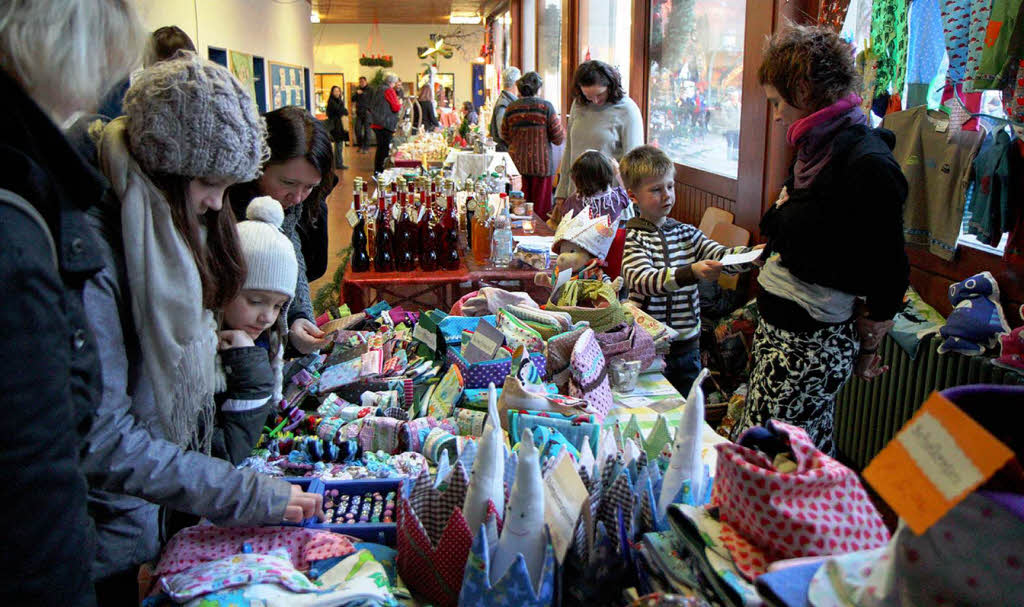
241,66
286,86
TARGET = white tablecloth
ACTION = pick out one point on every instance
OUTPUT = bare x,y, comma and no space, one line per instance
467,164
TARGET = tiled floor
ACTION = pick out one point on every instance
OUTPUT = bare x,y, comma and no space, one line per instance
338,203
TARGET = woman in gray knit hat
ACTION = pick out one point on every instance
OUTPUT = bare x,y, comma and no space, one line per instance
189,131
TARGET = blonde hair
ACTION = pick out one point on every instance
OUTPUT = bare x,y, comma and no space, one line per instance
67,54
642,163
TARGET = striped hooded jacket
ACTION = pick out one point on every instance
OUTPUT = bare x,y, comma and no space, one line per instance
649,262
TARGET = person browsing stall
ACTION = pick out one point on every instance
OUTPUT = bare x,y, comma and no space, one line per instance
827,296
596,178
172,258
663,259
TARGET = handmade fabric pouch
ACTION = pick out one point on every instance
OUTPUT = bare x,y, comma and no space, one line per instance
274,567
414,432
588,374
380,434
470,422
627,342
438,441
451,327
577,429
442,400
818,509
518,333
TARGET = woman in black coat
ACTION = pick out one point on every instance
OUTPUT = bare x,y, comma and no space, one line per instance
335,111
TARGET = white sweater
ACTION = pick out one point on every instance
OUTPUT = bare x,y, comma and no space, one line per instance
612,129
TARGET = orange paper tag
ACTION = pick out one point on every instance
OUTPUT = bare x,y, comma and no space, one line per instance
938,457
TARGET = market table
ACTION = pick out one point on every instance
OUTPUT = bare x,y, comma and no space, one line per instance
359,288
467,165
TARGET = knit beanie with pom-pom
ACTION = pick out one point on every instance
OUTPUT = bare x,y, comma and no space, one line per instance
269,254
191,117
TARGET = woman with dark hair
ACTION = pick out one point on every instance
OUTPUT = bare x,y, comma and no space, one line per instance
823,316
172,259
335,112
384,108
165,43
300,176
427,116
602,118
529,128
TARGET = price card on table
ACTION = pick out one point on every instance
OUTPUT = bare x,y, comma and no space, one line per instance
484,344
939,457
564,494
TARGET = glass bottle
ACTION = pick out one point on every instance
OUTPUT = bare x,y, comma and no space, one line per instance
482,233
371,220
450,237
501,237
360,256
470,215
405,230
384,260
429,237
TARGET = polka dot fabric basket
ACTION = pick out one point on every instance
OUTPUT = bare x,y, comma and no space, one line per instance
479,375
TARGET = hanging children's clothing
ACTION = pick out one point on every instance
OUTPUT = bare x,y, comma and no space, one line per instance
889,40
989,206
832,14
937,169
996,53
926,48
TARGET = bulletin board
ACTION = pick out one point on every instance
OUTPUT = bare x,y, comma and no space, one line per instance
286,85
240,65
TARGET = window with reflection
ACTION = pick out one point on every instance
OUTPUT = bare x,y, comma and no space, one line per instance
549,50
696,77
605,33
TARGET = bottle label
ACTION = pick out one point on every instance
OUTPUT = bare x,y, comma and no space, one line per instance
352,217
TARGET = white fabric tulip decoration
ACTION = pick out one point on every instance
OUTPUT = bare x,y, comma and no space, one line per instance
686,464
487,480
523,532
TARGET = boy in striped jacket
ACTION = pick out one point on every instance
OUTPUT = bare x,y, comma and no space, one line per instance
663,259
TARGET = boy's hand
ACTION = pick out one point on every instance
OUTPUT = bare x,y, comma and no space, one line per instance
228,340
759,262
707,270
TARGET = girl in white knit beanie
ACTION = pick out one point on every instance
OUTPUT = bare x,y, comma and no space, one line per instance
253,331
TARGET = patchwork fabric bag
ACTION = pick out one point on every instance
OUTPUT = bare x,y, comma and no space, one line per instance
518,333
480,375
627,342
588,374
819,509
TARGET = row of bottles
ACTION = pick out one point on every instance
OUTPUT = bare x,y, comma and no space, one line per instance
396,240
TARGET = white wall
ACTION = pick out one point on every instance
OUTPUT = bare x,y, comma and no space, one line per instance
273,30
337,48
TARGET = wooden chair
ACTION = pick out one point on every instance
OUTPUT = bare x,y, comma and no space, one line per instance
712,217
730,235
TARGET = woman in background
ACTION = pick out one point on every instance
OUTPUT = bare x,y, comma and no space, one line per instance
602,118
299,176
336,126
530,127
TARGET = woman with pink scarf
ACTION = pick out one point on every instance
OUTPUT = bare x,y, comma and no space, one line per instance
835,270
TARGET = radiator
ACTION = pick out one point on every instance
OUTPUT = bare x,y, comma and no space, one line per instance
868,414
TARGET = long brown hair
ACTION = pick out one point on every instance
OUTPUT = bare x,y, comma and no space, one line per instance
220,261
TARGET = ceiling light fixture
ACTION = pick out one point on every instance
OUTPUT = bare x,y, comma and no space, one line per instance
465,19
314,17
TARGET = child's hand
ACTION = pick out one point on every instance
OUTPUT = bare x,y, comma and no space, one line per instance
228,340
708,269
306,336
759,262
302,505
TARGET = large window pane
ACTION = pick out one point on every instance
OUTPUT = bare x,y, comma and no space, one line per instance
696,54
605,33
549,50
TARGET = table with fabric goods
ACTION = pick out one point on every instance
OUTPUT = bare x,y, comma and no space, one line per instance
440,288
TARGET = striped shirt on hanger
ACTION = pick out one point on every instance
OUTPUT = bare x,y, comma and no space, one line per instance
649,261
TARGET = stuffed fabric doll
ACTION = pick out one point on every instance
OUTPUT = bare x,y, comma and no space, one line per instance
582,242
487,480
977,319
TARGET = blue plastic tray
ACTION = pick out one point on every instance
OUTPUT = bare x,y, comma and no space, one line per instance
381,533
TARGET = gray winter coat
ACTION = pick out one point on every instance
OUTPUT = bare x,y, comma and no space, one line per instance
131,467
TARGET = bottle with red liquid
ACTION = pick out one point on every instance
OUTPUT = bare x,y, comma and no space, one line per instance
384,260
429,237
360,256
405,233
450,236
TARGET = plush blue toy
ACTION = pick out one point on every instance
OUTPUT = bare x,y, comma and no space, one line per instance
977,319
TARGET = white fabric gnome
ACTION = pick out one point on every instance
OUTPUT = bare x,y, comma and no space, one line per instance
523,534
487,480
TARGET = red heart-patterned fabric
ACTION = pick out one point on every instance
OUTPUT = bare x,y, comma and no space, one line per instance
818,510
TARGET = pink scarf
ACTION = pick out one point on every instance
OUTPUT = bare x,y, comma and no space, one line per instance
813,136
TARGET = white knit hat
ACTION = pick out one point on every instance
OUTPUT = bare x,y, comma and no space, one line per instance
593,234
269,254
